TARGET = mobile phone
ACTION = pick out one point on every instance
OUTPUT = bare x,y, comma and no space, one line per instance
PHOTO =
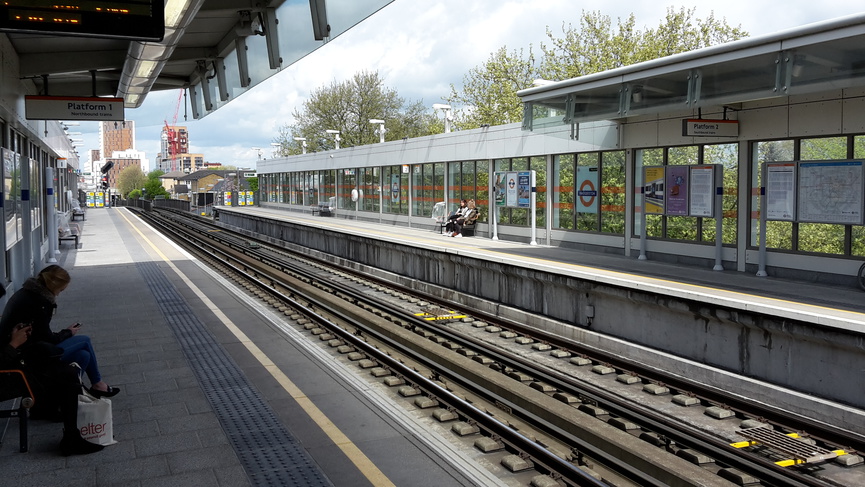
76,325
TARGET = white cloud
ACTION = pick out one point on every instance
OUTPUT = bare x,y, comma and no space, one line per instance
420,54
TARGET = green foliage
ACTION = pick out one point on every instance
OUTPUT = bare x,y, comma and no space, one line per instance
153,187
134,194
253,184
348,106
130,178
489,91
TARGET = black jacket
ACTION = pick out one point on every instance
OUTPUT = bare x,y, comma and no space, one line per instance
33,304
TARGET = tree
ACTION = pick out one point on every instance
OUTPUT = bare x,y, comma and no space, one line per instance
489,91
348,106
153,187
130,178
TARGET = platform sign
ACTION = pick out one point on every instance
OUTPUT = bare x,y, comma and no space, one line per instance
99,199
676,185
73,108
227,198
250,198
653,190
699,127
587,189
780,188
91,199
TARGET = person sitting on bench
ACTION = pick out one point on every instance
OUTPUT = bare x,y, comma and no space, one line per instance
466,216
458,213
55,389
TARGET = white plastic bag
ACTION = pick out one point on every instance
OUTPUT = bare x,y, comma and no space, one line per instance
95,421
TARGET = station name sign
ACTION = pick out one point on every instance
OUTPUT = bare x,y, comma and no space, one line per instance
73,108
701,127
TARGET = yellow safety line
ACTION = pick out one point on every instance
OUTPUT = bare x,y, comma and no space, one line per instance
366,467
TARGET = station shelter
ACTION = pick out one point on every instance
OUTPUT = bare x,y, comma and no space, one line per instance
746,156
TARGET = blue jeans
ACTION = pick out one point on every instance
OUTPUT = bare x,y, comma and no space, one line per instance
78,349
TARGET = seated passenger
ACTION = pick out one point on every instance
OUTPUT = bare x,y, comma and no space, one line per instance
458,213
35,303
468,215
55,388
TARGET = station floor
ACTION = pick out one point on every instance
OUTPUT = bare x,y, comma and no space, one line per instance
214,391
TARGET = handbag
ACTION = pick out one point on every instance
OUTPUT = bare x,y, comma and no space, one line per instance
95,421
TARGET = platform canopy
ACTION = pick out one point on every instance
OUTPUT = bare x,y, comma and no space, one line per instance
813,58
216,48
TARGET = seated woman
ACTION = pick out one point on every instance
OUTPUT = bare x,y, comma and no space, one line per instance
35,303
466,216
54,385
458,213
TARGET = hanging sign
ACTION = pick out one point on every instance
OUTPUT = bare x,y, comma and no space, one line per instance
73,108
700,127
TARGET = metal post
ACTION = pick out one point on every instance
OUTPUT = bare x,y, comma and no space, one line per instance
719,219
53,233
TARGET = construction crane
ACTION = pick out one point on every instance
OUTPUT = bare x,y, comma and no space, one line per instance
171,136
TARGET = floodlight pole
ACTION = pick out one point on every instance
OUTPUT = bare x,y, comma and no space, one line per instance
381,130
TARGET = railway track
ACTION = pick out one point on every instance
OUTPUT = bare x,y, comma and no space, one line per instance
552,410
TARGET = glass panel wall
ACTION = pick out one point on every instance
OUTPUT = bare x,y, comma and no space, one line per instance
395,199
588,170
822,237
779,234
613,192
562,211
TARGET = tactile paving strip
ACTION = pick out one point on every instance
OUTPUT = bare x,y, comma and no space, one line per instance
270,455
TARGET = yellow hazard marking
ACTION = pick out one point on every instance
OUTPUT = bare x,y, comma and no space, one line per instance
364,464
431,317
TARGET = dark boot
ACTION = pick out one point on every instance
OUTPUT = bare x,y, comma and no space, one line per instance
73,444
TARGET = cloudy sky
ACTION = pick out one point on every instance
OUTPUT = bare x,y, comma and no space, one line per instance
420,48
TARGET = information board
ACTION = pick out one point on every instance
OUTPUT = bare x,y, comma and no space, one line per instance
653,190
780,187
702,191
830,192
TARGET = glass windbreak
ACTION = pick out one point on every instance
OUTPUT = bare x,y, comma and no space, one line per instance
779,234
296,40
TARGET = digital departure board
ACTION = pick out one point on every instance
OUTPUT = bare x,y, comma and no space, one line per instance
131,19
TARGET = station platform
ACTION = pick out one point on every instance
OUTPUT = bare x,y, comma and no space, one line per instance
214,391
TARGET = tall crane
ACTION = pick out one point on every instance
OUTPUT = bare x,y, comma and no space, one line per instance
171,136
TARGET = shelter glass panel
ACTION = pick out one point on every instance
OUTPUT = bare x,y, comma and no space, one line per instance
821,237
727,155
682,227
562,213
779,234
588,169
654,223
613,192
346,183
539,165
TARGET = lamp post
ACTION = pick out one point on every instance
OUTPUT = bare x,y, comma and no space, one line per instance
380,130
335,134
302,141
449,116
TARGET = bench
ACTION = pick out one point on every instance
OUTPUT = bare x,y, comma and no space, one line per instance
468,229
78,214
322,209
72,234
15,390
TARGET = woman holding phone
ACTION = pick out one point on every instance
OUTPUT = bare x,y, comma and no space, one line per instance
35,303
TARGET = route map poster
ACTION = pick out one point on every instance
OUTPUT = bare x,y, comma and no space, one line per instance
781,191
831,192
677,190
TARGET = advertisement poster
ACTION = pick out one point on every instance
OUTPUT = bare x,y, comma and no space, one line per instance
511,190
394,188
499,188
781,191
677,190
653,190
587,189
702,191
524,189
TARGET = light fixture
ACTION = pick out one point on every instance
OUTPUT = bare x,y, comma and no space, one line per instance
174,10
302,141
798,65
380,130
335,134
637,94
448,115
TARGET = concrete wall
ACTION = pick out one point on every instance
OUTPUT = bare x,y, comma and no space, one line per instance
722,346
